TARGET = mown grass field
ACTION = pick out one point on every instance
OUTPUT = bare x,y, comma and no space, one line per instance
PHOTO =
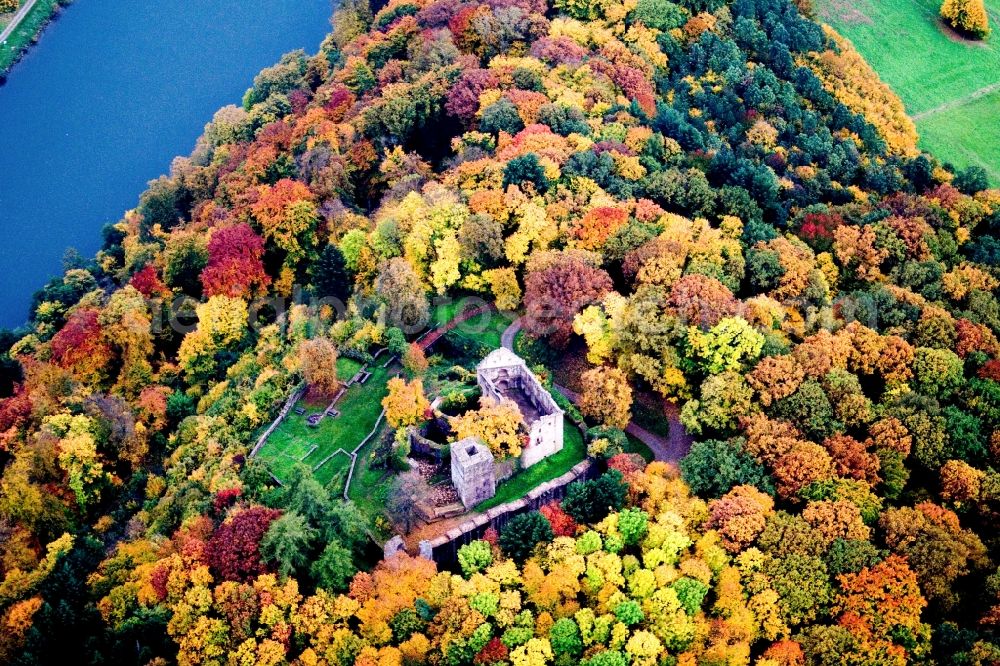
359,408
950,86
485,328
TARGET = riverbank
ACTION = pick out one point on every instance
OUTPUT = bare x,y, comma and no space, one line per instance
27,30
108,96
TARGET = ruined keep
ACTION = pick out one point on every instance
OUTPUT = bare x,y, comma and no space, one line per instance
472,471
504,375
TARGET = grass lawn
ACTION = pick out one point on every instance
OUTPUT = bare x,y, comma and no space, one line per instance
967,135
26,32
293,441
370,488
929,66
573,451
485,328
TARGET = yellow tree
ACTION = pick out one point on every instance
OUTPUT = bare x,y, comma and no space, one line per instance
222,321
406,403
78,455
967,16
318,359
498,424
607,396
506,290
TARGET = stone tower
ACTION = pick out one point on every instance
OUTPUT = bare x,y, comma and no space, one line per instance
472,471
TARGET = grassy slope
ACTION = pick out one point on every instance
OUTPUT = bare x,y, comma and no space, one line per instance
25,33
928,67
574,450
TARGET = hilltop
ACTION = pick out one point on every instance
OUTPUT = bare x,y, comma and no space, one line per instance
705,207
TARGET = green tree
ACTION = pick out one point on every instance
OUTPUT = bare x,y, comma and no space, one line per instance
501,116
522,533
937,372
591,501
335,568
564,636
185,256
714,466
525,168
329,275
810,410
287,543
801,582
475,557
660,14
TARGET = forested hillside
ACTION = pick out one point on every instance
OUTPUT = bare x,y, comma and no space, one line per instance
719,200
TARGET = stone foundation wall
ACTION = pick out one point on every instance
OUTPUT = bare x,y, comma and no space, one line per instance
422,445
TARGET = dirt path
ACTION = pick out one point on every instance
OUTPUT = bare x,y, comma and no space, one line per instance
669,449
955,103
16,21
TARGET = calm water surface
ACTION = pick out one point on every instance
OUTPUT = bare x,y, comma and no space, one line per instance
112,92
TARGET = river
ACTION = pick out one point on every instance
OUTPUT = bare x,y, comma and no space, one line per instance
110,94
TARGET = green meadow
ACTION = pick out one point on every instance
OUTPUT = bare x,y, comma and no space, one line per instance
950,85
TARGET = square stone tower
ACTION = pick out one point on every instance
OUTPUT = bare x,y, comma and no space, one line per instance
472,471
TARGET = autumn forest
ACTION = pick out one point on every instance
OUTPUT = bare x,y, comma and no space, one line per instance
768,322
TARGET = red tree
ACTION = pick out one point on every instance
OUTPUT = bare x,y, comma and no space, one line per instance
817,229
597,225
463,98
14,412
80,344
492,653
224,499
701,300
148,282
556,293
234,549
235,267
851,459
562,523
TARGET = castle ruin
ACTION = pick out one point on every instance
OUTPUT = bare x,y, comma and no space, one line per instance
503,375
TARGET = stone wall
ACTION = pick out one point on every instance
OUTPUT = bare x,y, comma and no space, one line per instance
287,407
546,439
444,549
506,469
423,446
